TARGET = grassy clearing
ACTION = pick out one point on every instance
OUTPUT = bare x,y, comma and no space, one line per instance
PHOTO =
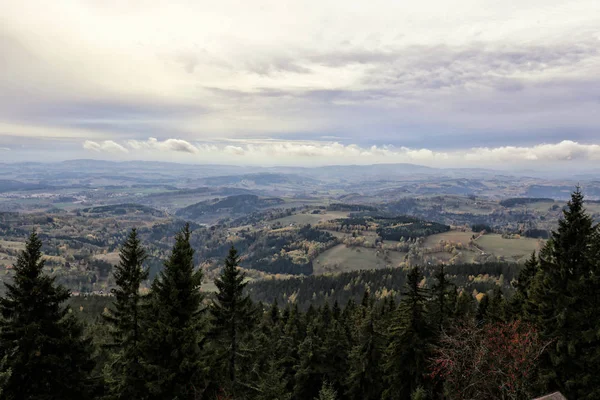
7,244
341,259
111,258
540,206
454,236
516,249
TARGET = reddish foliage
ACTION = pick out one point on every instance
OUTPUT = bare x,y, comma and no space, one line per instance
496,361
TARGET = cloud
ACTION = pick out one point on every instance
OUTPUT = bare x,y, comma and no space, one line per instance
107,146
299,152
449,75
175,145
566,150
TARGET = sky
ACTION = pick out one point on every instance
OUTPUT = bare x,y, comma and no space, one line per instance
459,83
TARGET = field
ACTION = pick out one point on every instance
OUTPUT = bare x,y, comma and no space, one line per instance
12,245
111,258
515,249
341,259
451,236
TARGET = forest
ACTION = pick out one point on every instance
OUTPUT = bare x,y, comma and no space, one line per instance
416,332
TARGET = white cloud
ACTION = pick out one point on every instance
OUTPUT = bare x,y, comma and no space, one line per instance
303,152
107,146
176,145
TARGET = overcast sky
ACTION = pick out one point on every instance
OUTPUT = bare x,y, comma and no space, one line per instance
441,83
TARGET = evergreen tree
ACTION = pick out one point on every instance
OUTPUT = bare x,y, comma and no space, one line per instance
287,344
125,374
232,315
336,348
43,353
519,303
410,342
496,311
312,363
465,306
565,310
443,298
273,385
274,314
327,392
365,372
173,325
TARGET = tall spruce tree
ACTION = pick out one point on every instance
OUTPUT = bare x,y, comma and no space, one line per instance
444,298
312,363
44,355
564,308
496,310
364,379
173,324
125,374
233,315
410,341
518,306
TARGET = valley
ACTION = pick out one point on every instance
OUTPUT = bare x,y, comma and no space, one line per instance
289,222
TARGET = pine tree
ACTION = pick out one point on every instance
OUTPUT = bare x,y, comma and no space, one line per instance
267,367
232,314
312,363
125,373
43,353
564,307
287,344
336,349
327,392
519,303
365,359
174,324
443,298
410,341
273,385
496,311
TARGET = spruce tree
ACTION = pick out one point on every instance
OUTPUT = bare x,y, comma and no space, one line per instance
232,314
496,310
266,366
444,298
410,341
287,344
518,306
273,385
327,392
565,310
44,355
336,349
125,375
364,379
173,325
312,363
